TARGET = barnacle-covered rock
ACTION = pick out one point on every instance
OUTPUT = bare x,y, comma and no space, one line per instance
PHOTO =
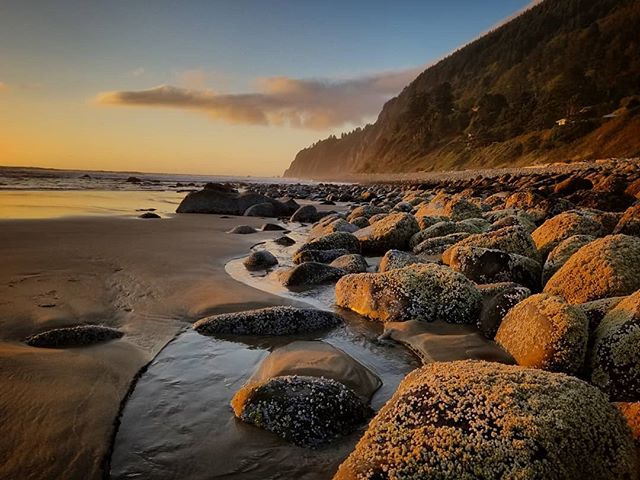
484,265
333,224
631,412
561,253
393,231
360,222
438,245
260,260
78,336
441,229
455,208
284,241
606,267
425,222
508,239
497,300
545,332
366,211
306,213
519,219
352,263
567,224
397,259
306,411
242,230
426,292
615,356
310,273
332,241
474,419
629,224
268,321
320,256
597,309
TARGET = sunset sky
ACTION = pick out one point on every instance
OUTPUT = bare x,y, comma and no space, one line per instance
217,87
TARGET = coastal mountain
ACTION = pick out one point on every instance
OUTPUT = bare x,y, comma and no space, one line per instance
560,82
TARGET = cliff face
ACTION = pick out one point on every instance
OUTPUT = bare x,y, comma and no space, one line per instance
559,82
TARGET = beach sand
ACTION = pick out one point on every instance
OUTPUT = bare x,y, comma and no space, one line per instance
148,278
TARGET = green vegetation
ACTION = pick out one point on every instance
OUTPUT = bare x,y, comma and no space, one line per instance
536,89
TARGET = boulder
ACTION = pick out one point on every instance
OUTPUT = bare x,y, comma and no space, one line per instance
441,229
274,321
425,222
572,184
272,227
473,419
360,222
149,215
545,332
397,259
597,309
323,228
351,263
284,241
629,224
332,241
615,357
320,256
242,230
309,274
508,239
484,265
305,214
498,299
261,210
260,260
306,411
561,253
438,245
394,231
548,235
226,202
426,292
366,211
606,267
78,336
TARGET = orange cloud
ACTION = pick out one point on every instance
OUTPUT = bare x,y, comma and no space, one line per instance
3,87
312,103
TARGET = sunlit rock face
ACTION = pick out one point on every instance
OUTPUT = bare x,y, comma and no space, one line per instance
545,332
567,224
474,419
607,267
426,292
615,360
393,231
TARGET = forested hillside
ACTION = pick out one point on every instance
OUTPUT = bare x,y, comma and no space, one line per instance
560,82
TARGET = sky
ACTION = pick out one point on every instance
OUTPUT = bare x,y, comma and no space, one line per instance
206,86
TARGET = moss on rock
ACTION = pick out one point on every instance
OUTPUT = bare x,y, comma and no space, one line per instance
567,224
393,231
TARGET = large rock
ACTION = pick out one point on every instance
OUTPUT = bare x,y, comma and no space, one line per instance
310,273
484,265
607,267
454,208
333,241
226,202
545,332
426,292
548,235
306,411
615,359
366,211
441,229
268,321
78,336
260,260
498,300
306,213
331,225
320,256
473,419
261,210
397,259
508,239
438,245
394,231
596,310
629,224
351,263
561,253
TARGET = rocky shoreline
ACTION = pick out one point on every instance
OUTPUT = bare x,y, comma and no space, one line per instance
519,292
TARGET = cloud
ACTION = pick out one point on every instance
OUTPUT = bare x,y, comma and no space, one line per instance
3,87
138,72
307,103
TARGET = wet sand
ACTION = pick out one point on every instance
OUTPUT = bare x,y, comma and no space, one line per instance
149,278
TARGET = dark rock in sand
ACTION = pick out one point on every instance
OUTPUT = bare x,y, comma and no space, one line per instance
227,202
320,256
473,419
261,210
615,357
274,321
394,231
284,241
309,274
306,411
272,227
133,180
333,241
305,214
484,265
426,292
260,260
545,332
351,263
79,336
242,230
606,267
149,215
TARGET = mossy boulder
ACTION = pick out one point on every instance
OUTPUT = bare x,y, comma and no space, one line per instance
629,224
320,256
426,292
606,267
78,336
332,241
615,357
563,252
333,224
397,259
485,265
273,321
441,229
366,211
473,419
455,208
260,260
351,263
508,239
310,273
597,309
545,332
498,300
393,231
567,224
306,411
306,213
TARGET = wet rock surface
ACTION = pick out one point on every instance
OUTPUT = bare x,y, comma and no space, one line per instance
79,336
